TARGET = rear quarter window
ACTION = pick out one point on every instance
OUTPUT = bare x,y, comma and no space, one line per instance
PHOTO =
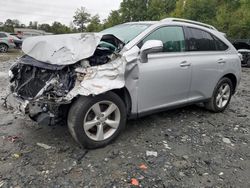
220,46
200,40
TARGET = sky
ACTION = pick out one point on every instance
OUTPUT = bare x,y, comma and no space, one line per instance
48,11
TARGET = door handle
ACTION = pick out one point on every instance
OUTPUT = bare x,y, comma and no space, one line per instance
221,61
185,64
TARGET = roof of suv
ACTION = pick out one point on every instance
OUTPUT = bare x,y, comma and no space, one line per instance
176,20
189,22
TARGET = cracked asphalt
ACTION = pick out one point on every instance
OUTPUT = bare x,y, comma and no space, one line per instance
186,147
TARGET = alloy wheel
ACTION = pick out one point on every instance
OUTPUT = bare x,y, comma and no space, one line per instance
3,48
223,95
102,120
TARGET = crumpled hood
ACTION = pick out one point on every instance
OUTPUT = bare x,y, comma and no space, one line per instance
62,49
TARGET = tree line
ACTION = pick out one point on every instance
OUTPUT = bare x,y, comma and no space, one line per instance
229,16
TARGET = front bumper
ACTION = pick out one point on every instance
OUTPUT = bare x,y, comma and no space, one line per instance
46,114
17,103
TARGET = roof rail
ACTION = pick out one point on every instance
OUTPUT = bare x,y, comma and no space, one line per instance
188,21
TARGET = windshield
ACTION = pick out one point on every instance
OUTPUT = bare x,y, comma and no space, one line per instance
126,32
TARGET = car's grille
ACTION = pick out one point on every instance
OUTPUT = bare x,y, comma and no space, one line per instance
30,80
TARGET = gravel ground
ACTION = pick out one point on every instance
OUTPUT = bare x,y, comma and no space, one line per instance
186,147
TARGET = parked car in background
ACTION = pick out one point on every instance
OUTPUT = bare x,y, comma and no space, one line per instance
16,35
96,81
6,42
17,40
243,47
245,57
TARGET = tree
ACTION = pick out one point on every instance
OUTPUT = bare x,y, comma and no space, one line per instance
134,10
8,26
114,18
81,17
58,28
199,10
45,27
33,25
159,9
72,27
94,24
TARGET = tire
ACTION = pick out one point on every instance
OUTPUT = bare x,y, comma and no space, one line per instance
3,48
220,101
90,125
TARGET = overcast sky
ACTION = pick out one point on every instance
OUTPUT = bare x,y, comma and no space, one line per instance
47,11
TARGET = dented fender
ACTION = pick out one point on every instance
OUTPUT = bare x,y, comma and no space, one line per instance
99,79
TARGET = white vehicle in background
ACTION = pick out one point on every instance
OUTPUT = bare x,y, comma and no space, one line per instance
6,42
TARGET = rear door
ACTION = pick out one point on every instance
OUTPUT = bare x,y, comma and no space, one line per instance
208,60
165,79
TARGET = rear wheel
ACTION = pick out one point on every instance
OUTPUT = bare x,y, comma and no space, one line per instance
96,121
3,48
221,96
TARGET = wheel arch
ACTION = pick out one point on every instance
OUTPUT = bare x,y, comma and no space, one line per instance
123,93
233,79
4,44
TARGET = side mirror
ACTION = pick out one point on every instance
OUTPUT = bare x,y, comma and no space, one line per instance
151,46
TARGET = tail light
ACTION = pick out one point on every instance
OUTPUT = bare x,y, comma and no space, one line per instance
11,40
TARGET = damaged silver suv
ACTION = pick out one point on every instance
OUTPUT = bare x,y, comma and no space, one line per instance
95,81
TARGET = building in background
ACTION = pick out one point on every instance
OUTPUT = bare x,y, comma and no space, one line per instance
26,32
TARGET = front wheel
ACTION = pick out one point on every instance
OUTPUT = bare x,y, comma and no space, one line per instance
96,121
221,96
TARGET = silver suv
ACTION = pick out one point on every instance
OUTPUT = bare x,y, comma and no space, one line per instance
96,81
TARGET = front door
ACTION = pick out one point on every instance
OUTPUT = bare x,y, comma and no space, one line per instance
165,79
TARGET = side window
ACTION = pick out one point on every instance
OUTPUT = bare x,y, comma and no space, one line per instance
221,46
172,37
2,35
200,40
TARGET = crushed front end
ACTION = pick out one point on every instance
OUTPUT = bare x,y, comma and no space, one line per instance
45,81
38,89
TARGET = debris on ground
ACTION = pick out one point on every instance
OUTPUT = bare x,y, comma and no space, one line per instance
143,167
45,146
151,153
226,140
2,183
12,139
134,182
166,145
221,174
17,155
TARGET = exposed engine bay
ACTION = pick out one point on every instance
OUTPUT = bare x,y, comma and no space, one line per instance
45,88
